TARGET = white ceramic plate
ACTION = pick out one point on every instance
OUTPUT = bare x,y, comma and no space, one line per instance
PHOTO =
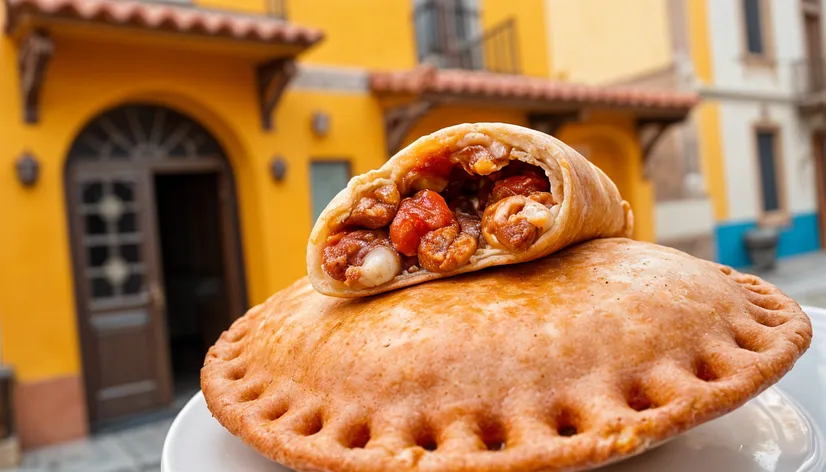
771,433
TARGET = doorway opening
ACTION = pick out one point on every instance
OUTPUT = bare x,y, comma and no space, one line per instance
156,253
195,285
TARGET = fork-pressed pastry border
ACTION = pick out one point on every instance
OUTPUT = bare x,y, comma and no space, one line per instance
583,422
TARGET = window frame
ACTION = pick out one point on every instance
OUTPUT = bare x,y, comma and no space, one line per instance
322,160
779,217
447,37
767,57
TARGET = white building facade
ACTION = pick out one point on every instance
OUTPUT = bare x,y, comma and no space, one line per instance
767,67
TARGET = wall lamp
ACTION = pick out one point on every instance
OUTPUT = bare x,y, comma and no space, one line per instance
278,168
28,169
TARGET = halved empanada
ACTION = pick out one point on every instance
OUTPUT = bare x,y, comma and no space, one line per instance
564,363
461,199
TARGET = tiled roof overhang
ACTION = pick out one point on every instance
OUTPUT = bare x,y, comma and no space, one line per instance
529,92
164,17
278,41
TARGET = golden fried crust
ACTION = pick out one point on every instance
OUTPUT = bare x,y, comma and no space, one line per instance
564,363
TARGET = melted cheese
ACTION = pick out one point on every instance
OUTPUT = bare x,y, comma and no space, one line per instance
380,266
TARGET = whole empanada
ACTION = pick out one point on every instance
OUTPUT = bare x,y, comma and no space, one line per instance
568,362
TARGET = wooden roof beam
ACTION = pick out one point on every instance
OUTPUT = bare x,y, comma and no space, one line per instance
398,121
272,79
36,51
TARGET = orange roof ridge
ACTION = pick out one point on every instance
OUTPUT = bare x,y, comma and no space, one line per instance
178,18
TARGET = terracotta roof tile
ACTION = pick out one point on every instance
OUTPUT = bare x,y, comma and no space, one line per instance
183,19
485,84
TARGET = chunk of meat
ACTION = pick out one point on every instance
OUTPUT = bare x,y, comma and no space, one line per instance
470,224
431,173
362,257
446,249
479,160
524,185
417,216
376,209
516,222
436,165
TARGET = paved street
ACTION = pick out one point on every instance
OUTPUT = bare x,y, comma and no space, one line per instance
138,449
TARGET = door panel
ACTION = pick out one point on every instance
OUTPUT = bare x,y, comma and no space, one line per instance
122,320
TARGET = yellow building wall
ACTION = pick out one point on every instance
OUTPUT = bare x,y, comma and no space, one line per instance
600,41
372,34
707,114
37,308
380,34
531,34
711,156
36,303
610,142
698,39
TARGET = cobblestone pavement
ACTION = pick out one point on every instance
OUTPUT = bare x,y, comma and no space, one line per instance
138,449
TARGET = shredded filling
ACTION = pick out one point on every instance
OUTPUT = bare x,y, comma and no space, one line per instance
441,213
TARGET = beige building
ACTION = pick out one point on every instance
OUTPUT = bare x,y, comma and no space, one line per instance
609,42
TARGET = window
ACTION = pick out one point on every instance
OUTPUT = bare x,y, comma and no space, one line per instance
446,31
327,178
753,22
767,162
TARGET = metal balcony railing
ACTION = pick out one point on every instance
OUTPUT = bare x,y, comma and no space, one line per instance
497,49
448,35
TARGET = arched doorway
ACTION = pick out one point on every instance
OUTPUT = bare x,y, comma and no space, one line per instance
156,254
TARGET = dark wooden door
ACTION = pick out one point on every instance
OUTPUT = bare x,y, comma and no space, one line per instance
120,291
118,268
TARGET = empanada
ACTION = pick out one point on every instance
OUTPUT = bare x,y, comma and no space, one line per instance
459,200
564,363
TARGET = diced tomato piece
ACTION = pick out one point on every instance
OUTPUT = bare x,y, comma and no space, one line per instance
418,215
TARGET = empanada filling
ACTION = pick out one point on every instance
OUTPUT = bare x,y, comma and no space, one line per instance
446,209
